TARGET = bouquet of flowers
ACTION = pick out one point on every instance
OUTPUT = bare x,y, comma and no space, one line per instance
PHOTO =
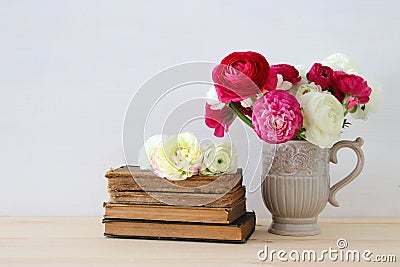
179,156
283,102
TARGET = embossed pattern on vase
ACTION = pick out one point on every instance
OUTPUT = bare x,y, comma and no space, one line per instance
297,184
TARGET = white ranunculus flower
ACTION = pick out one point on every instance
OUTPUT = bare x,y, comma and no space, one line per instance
307,88
212,99
218,159
147,150
283,85
342,62
177,157
323,118
303,74
302,71
374,104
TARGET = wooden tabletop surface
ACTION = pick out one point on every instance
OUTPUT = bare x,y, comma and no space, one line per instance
79,241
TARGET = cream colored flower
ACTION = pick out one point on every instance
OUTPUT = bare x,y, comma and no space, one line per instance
147,150
303,74
220,158
302,71
307,88
342,62
323,117
177,157
283,85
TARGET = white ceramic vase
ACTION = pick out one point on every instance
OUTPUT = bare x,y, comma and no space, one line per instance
296,187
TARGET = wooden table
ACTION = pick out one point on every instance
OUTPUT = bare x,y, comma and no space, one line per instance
79,241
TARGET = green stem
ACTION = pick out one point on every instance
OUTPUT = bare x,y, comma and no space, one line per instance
243,117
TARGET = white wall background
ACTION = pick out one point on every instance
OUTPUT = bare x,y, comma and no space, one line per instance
68,70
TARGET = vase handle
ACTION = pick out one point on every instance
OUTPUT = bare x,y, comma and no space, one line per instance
356,146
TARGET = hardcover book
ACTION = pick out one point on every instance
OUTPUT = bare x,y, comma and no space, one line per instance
236,232
132,178
175,213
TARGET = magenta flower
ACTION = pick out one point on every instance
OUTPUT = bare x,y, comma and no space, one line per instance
288,72
219,120
353,85
321,75
277,117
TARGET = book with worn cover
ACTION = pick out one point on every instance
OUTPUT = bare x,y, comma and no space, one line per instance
182,199
237,232
131,185
132,178
175,213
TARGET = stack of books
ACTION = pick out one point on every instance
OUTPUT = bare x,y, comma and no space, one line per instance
200,208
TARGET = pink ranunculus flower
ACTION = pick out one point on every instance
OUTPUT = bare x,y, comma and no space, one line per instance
321,75
219,120
288,72
353,85
277,117
351,102
240,75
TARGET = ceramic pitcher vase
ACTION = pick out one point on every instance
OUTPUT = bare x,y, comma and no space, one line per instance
296,186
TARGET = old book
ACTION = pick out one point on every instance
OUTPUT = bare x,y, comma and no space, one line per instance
229,199
132,178
175,213
238,231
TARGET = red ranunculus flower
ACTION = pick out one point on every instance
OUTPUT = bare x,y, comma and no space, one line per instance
353,85
288,72
220,119
321,75
272,81
240,75
334,89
